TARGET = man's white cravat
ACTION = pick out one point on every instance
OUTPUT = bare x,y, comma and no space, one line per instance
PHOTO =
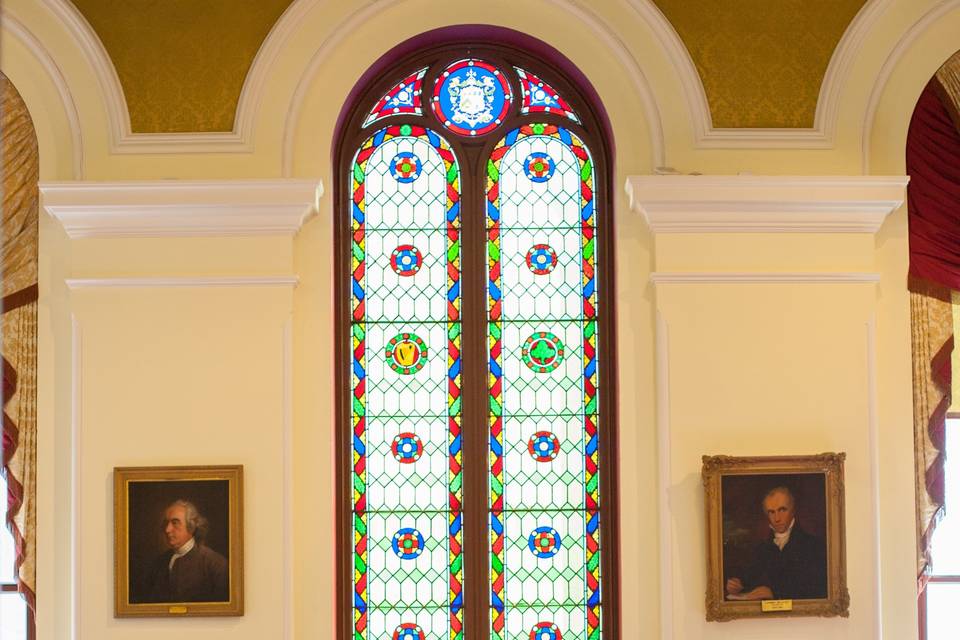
179,553
779,539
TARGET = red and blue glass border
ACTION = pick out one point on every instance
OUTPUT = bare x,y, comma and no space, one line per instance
405,97
495,374
359,376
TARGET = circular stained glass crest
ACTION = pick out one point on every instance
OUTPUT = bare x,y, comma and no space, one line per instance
541,259
544,542
543,446
406,353
406,260
405,167
545,631
407,448
471,97
408,631
539,166
542,352
407,543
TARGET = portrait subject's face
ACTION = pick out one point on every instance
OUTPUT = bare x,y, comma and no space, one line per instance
780,510
175,526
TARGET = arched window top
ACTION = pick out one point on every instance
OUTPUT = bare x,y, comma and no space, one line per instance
477,469
473,92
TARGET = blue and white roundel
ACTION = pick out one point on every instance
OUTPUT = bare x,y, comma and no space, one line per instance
471,97
405,167
544,542
407,543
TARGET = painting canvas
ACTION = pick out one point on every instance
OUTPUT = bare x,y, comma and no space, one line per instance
178,545
775,536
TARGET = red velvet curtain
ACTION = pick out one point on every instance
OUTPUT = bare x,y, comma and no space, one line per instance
933,163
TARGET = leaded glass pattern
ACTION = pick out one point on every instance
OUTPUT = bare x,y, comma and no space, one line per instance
405,336
542,374
403,98
540,97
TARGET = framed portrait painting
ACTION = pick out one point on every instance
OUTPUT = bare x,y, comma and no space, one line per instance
178,546
775,536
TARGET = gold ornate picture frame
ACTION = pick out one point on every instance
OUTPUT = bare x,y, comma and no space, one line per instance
776,542
178,544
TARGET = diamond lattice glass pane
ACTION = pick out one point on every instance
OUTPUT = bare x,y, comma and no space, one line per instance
539,184
546,623
408,624
393,391
407,464
408,560
540,97
543,462
404,183
541,271
542,346
406,275
405,362
403,97
543,375
545,558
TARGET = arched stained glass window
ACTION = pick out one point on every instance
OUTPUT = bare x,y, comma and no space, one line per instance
474,321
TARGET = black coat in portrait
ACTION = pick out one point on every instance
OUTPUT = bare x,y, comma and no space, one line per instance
798,571
201,575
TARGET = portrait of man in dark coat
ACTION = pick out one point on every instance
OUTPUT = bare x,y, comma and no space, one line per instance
790,563
188,570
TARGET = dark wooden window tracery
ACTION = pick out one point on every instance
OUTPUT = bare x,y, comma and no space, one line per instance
472,155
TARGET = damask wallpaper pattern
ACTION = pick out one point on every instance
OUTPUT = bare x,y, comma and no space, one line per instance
761,62
182,63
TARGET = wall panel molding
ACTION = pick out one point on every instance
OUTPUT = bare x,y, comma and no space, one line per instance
765,204
181,208
182,281
714,277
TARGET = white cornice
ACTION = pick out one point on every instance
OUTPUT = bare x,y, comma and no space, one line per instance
182,281
181,208
742,277
765,204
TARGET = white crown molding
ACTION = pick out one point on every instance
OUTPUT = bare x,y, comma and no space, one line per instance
181,282
181,208
729,277
765,204
706,136
906,41
602,31
33,44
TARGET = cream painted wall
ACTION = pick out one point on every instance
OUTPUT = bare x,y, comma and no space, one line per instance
215,357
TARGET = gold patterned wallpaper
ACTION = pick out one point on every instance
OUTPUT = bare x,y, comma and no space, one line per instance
182,63
761,61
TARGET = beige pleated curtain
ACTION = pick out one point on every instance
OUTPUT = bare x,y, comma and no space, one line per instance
20,170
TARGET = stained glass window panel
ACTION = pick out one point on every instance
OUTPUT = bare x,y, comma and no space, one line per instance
405,336
540,97
542,341
403,97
